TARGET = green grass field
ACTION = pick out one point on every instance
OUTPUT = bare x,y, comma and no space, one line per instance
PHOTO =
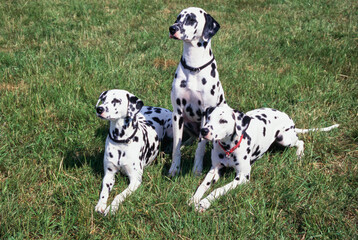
56,57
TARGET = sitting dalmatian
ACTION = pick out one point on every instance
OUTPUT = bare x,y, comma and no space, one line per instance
134,136
239,140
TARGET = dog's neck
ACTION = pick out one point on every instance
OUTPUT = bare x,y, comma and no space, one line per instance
197,53
231,140
123,129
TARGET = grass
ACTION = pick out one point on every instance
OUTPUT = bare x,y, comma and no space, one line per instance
56,57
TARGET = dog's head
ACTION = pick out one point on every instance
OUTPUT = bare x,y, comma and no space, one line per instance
192,24
115,104
222,122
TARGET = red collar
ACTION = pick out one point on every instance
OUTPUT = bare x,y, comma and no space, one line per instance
232,149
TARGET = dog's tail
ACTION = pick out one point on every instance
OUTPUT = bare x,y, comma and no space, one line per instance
326,129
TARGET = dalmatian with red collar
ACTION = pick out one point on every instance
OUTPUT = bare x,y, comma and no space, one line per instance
196,84
239,140
133,140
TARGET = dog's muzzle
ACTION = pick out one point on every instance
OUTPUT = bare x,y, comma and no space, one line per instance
173,30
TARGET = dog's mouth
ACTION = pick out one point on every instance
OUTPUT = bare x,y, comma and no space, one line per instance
101,117
173,36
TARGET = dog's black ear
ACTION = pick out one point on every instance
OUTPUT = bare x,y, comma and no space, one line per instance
210,28
242,122
134,105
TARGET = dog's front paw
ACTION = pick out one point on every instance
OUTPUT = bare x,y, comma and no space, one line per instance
100,207
174,170
202,206
111,209
197,170
193,201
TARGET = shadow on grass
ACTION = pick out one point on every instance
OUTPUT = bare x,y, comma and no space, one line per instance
188,160
80,156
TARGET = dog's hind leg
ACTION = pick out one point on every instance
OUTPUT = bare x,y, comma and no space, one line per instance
290,139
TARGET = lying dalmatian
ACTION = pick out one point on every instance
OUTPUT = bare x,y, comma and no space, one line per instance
239,140
135,132
196,84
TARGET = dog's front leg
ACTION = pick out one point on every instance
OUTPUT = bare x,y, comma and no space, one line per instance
107,185
178,125
210,178
135,179
199,156
205,203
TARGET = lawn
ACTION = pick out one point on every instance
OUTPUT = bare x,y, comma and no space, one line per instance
56,57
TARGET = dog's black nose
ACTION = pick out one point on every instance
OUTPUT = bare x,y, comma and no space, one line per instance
99,110
173,29
204,132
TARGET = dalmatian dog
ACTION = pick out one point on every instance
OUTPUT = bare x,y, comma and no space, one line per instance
196,84
133,140
239,140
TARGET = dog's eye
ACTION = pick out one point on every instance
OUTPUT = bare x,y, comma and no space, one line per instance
190,20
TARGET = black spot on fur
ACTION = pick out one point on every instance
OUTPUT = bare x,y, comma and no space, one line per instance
190,111
115,101
203,81
222,121
246,120
183,84
160,121
213,67
178,101
190,20
221,98
261,119
181,120
257,152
